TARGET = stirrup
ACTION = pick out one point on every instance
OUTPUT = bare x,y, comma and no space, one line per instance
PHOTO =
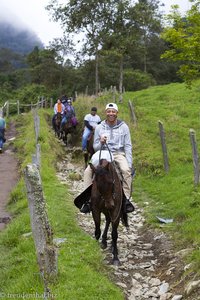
129,207
85,208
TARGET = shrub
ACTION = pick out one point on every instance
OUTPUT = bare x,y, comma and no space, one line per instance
135,80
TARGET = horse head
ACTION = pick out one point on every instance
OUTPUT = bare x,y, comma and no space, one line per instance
109,186
58,119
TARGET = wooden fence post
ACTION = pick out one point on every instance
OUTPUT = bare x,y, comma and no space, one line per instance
41,230
133,116
36,126
7,109
75,95
18,107
51,102
86,91
114,93
164,147
195,156
36,158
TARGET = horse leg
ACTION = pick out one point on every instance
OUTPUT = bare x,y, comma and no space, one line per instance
86,159
66,141
60,134
64,137
105,232
115,260
124,219
97,222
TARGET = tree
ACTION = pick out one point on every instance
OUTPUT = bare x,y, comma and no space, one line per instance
90,18
132,29
148,22
183,35
44,68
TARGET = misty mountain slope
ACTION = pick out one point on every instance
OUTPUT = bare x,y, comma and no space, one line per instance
18,39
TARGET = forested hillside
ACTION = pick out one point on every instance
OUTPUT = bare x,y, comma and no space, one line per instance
19,40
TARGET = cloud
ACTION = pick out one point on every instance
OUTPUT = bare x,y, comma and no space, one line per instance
7,16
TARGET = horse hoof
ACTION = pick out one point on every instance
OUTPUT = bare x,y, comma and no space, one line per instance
116,262
103,246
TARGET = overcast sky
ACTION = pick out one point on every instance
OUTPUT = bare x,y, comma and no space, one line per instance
33,14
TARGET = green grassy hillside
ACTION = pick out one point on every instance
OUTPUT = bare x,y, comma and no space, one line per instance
169,195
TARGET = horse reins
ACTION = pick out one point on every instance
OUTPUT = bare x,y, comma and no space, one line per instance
111,160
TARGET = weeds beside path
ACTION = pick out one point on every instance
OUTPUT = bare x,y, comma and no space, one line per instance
9,174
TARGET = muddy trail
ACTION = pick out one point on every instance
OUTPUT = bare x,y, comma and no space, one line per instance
9,174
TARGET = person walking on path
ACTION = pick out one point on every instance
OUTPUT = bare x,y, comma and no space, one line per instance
2,130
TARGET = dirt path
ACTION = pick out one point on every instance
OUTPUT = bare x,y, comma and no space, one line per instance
9,174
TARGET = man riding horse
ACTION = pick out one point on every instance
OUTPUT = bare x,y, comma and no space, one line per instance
58,108
69,114
113,134
90,121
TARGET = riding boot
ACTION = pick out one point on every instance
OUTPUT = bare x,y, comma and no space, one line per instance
85,208
127,205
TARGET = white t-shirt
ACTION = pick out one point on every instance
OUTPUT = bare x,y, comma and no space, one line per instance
93,120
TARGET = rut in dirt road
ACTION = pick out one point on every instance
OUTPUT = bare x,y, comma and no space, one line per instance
9,174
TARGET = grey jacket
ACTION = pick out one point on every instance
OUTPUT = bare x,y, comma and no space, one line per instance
118,138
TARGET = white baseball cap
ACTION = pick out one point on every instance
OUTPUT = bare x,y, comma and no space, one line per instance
112,105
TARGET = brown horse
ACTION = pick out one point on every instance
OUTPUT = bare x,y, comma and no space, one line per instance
90,149
57,124
107,198
68,128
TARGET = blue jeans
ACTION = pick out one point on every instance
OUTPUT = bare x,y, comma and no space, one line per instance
1,143
85,136
64,120
1,137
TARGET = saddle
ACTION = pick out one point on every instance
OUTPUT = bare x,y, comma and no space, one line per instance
83,197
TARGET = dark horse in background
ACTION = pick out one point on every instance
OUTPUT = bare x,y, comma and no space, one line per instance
68,128
57,124
106,197
90,150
